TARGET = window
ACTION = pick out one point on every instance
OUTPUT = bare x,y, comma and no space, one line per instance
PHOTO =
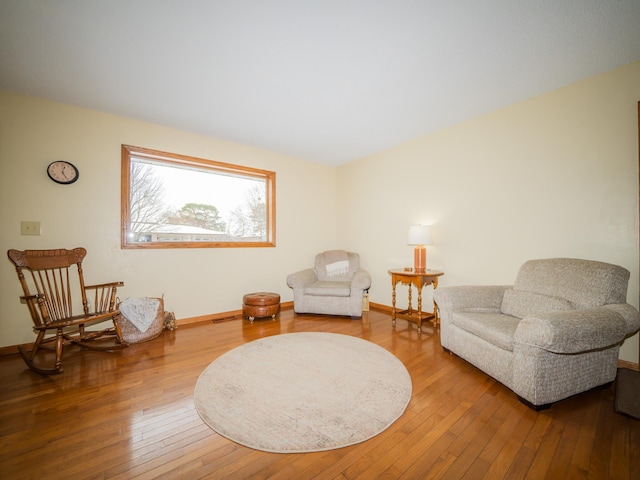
176,201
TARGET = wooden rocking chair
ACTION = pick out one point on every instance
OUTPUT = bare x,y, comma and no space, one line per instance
48,286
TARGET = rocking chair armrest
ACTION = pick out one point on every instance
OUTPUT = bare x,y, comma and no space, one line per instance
105,297
104,285
27,298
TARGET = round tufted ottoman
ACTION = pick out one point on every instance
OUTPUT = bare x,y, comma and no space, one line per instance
260,304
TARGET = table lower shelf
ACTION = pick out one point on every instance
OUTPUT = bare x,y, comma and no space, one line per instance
414,317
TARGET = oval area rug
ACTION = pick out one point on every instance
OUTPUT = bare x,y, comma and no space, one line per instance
303,392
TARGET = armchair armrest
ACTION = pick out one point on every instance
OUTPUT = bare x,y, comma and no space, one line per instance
361,280
572,331
301,278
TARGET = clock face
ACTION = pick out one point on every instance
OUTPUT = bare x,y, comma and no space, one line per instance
63,172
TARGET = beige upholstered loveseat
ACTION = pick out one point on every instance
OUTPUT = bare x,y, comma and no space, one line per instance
335,286
554,333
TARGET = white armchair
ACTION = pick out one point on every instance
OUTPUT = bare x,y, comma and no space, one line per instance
335,286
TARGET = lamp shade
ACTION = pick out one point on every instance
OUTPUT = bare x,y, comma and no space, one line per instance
419,235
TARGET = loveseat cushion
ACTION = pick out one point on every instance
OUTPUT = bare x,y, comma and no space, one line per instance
523,304
493,327
585,283
328,289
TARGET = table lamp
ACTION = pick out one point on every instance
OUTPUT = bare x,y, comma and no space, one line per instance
419,235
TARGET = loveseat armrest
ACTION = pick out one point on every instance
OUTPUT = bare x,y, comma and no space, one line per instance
470,296
361,280
630,315
572,331
302,278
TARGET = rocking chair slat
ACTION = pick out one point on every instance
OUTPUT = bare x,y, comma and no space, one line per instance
49,297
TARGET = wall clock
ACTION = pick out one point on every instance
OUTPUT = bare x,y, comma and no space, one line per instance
63,172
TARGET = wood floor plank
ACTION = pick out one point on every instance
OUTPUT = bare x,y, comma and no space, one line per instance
544,454
620,454
505,457
130,414
468,446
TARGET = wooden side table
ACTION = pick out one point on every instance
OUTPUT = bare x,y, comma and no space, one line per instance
418,280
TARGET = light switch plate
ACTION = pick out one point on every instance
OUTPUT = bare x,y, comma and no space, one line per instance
29,228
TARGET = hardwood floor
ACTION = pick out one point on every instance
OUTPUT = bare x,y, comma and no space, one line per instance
130,414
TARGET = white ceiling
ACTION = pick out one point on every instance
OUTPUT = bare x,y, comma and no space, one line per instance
329,81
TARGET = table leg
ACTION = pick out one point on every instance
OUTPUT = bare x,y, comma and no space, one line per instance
393,303
420,307
436,310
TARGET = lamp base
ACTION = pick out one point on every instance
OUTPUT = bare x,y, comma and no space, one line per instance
420,259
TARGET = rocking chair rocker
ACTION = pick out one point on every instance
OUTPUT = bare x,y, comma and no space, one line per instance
48,288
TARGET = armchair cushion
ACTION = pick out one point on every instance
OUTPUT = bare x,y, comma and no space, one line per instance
329,289
345,266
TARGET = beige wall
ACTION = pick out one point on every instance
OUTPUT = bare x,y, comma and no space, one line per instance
553,176
195,282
